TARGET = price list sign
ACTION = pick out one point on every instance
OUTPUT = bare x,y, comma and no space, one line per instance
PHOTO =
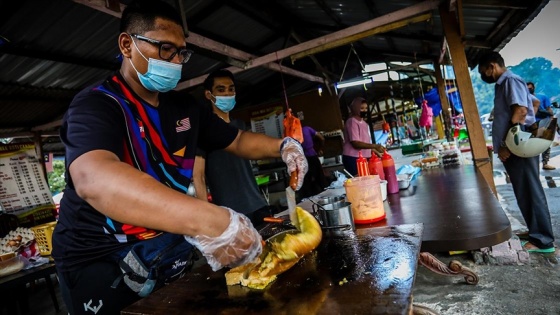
22,183
268,121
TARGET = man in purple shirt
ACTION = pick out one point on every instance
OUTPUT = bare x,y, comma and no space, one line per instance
314,181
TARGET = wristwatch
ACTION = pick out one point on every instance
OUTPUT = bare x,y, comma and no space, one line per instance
503,144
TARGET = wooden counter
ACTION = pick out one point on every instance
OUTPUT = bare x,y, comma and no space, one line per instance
456,206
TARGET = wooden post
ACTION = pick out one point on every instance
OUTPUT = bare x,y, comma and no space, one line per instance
39,150
445,109
470,111
439,127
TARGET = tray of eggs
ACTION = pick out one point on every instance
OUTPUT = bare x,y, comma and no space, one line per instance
10,261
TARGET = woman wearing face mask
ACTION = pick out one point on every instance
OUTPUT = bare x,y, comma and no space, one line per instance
357,136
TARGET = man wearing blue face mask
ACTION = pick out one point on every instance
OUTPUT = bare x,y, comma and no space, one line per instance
229,177
126,225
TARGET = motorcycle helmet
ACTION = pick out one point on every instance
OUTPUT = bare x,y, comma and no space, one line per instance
529,144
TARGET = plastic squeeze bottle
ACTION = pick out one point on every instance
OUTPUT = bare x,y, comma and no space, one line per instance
362,165
376,166
390,173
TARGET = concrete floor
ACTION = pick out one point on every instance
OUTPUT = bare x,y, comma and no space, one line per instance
531,289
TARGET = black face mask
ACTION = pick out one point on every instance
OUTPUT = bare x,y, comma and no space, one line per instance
532,91
363,114
487,78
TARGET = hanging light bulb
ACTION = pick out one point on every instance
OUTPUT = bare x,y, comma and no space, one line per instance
320,90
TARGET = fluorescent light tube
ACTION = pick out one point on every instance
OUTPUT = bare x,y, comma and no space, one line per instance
344,84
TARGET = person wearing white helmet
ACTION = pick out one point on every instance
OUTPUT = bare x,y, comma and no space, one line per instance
512,106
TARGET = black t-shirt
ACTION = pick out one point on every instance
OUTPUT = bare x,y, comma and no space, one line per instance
95,121
231,180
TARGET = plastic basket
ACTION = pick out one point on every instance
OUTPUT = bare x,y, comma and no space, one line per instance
43,237
262,179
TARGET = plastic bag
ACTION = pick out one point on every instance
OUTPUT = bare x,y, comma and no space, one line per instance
292,126
339,182
413,171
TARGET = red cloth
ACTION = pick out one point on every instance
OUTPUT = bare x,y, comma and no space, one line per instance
427,115
30,251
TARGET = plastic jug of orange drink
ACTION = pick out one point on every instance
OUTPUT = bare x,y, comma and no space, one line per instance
364,193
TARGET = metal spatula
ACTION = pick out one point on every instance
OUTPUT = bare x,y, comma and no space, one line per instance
291,199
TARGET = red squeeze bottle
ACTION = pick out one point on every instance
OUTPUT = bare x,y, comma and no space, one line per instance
376,166
390,173
362,165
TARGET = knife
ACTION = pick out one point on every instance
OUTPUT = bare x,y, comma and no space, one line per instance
291,198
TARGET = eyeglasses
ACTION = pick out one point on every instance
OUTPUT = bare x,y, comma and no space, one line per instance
167,50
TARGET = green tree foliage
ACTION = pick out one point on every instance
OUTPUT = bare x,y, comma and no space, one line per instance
483,93
538,70
56,177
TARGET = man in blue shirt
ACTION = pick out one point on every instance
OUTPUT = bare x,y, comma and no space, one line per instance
513,105
545,108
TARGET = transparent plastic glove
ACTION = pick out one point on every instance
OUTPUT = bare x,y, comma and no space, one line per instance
239,244
292,154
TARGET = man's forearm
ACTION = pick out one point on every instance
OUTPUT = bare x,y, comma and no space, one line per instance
519,113
358,145
254,146
200,188
128,195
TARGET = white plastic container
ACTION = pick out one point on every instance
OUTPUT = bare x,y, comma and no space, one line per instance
383,186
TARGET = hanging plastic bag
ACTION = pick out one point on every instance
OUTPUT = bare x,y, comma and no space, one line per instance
339,182
292,126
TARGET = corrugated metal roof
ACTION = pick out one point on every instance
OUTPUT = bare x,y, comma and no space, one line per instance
49,50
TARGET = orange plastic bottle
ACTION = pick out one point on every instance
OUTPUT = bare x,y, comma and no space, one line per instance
376,166
390,173
362,165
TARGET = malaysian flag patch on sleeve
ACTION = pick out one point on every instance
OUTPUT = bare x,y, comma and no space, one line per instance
183,125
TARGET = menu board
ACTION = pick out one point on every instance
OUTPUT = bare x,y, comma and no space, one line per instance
268,121
23,187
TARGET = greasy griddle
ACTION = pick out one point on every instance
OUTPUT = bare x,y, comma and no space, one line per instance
369,271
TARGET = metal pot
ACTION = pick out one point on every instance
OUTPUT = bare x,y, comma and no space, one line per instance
328,200
335,215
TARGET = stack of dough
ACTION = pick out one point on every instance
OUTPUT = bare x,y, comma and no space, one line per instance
280,256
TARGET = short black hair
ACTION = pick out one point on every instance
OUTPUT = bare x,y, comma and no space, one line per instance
533,84
221,73
490,57
139,16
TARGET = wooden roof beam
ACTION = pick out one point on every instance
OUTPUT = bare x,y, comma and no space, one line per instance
496,4
215,46
398,15
393,67
355,37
